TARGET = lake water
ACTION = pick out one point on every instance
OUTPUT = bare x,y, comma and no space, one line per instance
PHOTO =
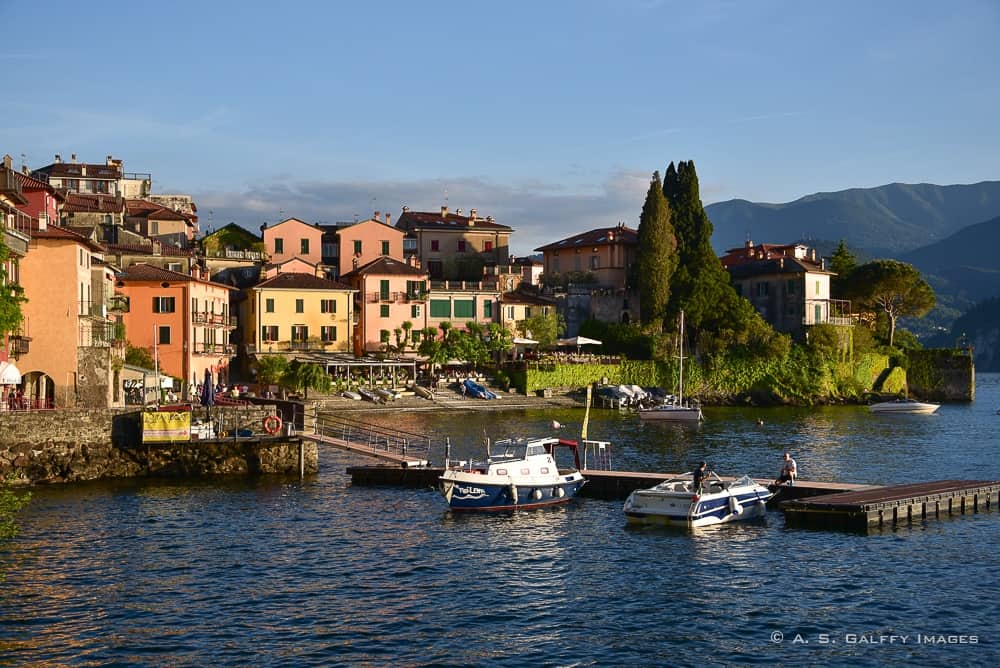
283,572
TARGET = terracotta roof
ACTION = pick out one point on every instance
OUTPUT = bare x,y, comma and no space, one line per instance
75,170
518,297
387,266
603,236
427,220
145,209
781,265
59,232
143,249
274,265
29,183
294,281
147,272
92,203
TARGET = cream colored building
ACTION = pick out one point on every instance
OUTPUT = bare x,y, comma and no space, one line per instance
442,240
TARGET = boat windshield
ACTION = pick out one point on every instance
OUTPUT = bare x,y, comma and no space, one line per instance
509,449
745,481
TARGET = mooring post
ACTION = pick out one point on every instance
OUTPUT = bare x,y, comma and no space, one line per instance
302,459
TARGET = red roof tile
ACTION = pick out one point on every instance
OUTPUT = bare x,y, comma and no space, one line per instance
296,281
603,236
414,220
387,266
147,272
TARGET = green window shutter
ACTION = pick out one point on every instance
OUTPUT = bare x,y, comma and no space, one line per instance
465,308
440,308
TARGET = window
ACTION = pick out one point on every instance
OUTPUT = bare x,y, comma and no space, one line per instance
279,246
300,305
414,289
487,246
817,288
409,245
269,305
595,261
465,308
762,289
488,309
383,290
174,266
385,248
269,333
304,246
435,246
329,249
194,305
154,228
383,310
163,334
510,312
527,312
328,333
328,306
357,247
461,245
299,333
415,311
415,335
163,304
440,308
107,219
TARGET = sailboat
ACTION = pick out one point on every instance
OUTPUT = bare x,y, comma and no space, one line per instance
677,411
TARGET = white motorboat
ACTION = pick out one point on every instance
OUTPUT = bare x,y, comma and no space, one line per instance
904,407
517,473
675,502
676,411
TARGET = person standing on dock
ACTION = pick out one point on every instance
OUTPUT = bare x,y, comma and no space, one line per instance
789,471
698,477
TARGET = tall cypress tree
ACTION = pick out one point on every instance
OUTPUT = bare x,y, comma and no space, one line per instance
657,257
701,284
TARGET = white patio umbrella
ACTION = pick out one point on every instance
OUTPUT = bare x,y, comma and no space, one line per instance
578,341
9,374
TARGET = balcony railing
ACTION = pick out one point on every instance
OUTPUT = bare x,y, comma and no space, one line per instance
214,349
395,297
93,309
100,334
230,254
830,312
214,320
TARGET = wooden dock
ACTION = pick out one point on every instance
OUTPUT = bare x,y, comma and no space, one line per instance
888,506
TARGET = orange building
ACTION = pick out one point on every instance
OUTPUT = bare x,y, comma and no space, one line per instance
184,321
293,238
607,253
74,344
390,292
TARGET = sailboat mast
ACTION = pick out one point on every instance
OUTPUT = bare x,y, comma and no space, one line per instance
680,355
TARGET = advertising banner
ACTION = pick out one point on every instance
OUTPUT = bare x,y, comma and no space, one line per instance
166,426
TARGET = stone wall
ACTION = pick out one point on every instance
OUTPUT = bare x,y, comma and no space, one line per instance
76,445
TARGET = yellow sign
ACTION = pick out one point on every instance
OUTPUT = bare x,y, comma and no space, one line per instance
166,426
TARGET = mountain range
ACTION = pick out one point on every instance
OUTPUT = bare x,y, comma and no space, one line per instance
886,221
949,233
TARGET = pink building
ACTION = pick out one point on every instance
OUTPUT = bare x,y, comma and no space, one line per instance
183,320
43,200
357,245
390,293
293,238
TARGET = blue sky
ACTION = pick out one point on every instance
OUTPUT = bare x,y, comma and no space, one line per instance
549,116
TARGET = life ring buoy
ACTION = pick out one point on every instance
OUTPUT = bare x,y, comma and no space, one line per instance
272,424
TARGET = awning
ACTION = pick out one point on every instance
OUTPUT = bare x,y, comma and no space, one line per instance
578,341
9,374
518,341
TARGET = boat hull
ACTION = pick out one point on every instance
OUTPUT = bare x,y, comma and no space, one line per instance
671,414
903,408
647,507
465,493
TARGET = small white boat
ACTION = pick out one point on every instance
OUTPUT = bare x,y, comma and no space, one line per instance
423,392
676,411
517,473
354,396
904,407
674,502
387,394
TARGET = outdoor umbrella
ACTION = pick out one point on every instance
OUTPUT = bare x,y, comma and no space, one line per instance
578,341
207,392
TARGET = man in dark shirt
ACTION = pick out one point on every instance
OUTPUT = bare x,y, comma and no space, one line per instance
699,476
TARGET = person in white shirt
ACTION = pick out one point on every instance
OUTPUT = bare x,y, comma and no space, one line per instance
789,471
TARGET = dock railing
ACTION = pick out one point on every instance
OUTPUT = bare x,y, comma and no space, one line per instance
377,438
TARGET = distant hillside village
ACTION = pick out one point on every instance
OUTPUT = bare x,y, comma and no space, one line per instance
104,262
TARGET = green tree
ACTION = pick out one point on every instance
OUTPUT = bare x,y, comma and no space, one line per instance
10,503
271,369
432,348
657,260
498,340
138,357
842,263
11,296
544,328
306,376
701,286
891,287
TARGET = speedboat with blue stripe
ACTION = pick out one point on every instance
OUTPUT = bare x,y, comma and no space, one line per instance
517,473
677,502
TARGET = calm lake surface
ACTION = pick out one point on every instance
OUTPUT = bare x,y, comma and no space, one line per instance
282,572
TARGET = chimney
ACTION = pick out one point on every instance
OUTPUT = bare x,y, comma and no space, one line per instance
43,222
263,227
377,214
444,211
8,162
72,158
472,215
388,218
812,254
405,208
110,161
58,159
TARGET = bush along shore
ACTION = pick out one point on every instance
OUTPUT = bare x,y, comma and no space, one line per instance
800,378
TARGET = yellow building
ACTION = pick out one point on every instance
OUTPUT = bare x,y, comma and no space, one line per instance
292,312
449,244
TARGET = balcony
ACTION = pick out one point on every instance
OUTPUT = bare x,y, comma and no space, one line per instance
214,349
18,345
118,304
828,312
234,254
100,334
214,320
395,297
10,186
